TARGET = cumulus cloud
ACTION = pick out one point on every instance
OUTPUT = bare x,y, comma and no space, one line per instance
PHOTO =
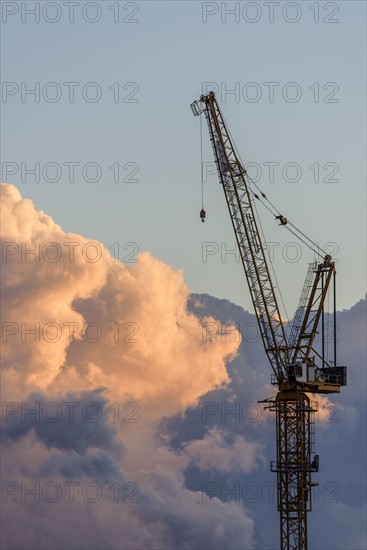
215,452
81,420
78,328
123,347
74,316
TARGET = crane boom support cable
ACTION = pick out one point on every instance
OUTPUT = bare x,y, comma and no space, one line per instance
306,237
270,203
305,243
290,223
295,234
274,207
270,260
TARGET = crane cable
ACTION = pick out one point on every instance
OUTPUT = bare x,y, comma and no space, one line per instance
202,211
261,227
327,336
323,253
272,209
310,246
278,214
201,163
288,222
271,263
259,221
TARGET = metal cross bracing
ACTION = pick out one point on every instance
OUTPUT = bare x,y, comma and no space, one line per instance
298,318
307,333
233,178
294,465
297,366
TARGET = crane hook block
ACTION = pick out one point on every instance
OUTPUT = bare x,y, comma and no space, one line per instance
202,215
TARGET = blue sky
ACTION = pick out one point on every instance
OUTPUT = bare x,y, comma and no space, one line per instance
163,59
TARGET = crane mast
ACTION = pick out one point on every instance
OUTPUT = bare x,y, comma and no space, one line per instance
298,368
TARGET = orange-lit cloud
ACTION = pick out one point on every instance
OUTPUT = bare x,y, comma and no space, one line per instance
78,329
79,326
77,323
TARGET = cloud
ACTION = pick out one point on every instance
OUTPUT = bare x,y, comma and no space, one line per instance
80,328
76,322
215,452
132,340
37,291
96,465
75,421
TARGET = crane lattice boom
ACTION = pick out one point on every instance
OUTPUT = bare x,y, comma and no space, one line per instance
239,200
298,367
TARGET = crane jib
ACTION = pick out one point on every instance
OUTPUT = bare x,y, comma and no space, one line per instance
283,355
233,178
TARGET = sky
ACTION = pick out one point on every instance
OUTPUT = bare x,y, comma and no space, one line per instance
104,323
117,95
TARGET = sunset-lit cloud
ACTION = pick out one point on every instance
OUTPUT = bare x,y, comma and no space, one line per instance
107,371
214,452
82,330
76,322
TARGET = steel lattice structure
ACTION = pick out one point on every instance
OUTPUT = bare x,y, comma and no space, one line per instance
295,370
239,200
294,465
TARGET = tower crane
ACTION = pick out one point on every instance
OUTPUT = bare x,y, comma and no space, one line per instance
298,367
